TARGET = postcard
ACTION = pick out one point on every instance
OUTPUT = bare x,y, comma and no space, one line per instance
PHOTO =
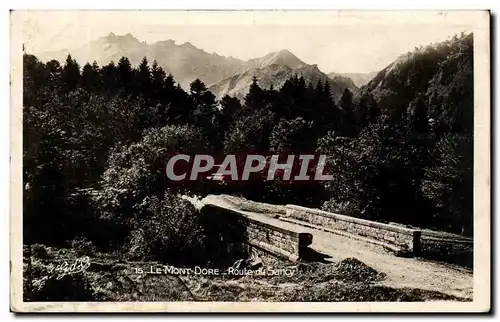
250,161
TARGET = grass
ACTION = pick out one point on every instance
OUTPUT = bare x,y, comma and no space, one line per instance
110,279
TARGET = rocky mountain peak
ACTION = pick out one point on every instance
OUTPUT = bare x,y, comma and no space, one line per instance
284,57
125,39
188,45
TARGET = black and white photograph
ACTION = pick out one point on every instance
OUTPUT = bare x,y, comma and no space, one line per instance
333,158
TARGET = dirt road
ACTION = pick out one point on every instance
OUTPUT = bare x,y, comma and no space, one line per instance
401,272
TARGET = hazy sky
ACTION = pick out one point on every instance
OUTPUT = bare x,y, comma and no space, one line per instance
337,42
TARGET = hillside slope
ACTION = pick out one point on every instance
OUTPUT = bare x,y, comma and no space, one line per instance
441,75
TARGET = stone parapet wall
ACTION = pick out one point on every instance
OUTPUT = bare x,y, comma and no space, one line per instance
394,235
422,243
458,250
266,233
283,238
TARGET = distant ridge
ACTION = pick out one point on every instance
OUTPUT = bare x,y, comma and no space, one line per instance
186,62
359,79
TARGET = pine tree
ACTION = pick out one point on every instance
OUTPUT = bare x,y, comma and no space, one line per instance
144,79
231,108
125,74
365,112
110,77
302,82
157,81
270,95
181,107
197,88
254,100
327,92
319,88
53,73
283,103
98,82
203,100
33,80
169,85
91,78
70,74
302,110
87,78
348,126
204,113
326,113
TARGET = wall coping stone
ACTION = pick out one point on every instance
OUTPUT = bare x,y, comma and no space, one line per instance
267,222
364,222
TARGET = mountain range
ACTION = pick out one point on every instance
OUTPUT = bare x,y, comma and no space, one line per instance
274,69
222,75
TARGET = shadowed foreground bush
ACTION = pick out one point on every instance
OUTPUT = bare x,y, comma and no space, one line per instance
170,232
102,281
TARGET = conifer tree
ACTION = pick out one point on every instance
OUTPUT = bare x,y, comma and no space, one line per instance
70,74
110,77
98,85
53,73
325,114
90,79
144,79
33,80
204,114
125,74
157,81
254,99
231,108
365,112
204,102
348,126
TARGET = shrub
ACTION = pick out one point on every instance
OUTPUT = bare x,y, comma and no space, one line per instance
83,246
343,207
171,232
69,288
137,171
40,283
39,251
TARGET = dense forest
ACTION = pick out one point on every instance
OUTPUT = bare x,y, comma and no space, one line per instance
96,139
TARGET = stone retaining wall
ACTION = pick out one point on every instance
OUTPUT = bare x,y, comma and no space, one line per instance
399,236
422,243
259,231
458,250
227,225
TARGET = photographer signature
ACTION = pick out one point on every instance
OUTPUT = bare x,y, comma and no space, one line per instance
65,268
